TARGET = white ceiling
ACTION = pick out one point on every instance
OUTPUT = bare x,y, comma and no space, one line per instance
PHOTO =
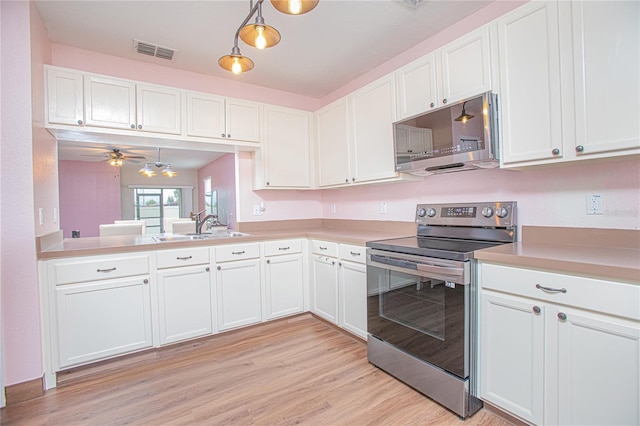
319,52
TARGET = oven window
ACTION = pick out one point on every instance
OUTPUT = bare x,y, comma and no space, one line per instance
425,317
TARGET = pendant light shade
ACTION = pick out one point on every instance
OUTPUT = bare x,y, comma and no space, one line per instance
147,171
235,62
294,7
464,117
259,34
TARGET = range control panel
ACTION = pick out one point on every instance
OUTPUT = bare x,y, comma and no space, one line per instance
494,214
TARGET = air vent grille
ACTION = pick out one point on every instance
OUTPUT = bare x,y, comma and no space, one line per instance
154,50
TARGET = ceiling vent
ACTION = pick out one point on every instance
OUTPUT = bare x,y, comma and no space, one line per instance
154,50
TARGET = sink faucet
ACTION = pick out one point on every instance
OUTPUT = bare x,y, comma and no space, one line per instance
199,222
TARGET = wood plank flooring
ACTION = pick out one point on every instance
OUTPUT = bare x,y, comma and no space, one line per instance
295,371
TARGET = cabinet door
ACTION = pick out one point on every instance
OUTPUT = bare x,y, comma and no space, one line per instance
205,115
466,66
416,87
606,50
372,115
101,319
529,48
184,303
284,286
353,298
512,355
598,369
286,148
242,120
325,288
109,102
332,138
238,291
158,109
64,97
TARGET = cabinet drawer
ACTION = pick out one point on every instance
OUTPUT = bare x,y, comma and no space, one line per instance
237,252
99,268
275,248
324,247
609,297
356,254
183,257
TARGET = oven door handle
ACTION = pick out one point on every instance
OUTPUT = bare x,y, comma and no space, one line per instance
440,269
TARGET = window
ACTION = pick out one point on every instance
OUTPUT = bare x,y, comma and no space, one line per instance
210,197
153,205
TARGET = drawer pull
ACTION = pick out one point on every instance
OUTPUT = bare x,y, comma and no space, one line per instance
323,248
268,261
562,316
237,252
536,309
219,268
107,270
284,248
145,281
550,289
207,269
184,258
354,253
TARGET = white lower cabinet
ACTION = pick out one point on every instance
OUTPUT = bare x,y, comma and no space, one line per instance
101,319
325,287
284,278
238,285
353,297
568,354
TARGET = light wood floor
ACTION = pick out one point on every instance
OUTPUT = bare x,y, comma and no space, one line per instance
294,371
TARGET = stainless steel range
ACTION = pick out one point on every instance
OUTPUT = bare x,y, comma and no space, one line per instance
423,297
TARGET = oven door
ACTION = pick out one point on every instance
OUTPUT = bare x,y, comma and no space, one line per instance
421,306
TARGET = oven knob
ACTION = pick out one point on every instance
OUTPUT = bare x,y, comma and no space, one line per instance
502,212
431,212
487,212
422,212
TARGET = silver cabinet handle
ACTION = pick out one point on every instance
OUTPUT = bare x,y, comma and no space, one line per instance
107,270
354,253
536,309
323,248
229,135
80,122
550,289
432,104
579,148
333,262
284,248
219,268
133,126
562,316
555,151
268,261
237,252
439,269
223,135
207,269
139,126
184,258
347,180
444,101
268,183
145,281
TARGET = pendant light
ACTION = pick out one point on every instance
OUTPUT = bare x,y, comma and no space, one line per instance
235,62
294,7
259,34
149,172
464,117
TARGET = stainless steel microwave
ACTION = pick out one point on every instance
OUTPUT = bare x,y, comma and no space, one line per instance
460,136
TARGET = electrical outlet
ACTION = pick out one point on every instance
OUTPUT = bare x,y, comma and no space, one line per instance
257,211
333,208
383,207
594,204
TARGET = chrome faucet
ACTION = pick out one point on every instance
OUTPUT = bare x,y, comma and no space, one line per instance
199,222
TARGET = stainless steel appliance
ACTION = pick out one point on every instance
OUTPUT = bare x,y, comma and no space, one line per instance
460,136
422,299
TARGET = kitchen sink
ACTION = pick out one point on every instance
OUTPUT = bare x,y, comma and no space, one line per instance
197,237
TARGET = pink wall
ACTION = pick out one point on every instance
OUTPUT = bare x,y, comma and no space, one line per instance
89,196
21,341
223,180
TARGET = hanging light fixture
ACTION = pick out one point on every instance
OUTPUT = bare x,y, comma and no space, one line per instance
259,34
294,7
148,171
464,117
116,162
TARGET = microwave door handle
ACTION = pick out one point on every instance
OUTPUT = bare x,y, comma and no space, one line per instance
440,269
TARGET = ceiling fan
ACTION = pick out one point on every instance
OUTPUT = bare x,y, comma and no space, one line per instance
115,157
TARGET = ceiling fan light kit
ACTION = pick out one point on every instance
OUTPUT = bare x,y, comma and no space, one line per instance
259,34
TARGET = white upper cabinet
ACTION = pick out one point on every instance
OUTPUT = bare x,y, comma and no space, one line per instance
109,102
285,156
64,97
529,55
372,113
332,139
457,71
213,116
123,104
606,68
466,66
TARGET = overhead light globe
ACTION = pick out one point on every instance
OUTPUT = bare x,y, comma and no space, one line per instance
235,62
147,171
168,171
259,35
